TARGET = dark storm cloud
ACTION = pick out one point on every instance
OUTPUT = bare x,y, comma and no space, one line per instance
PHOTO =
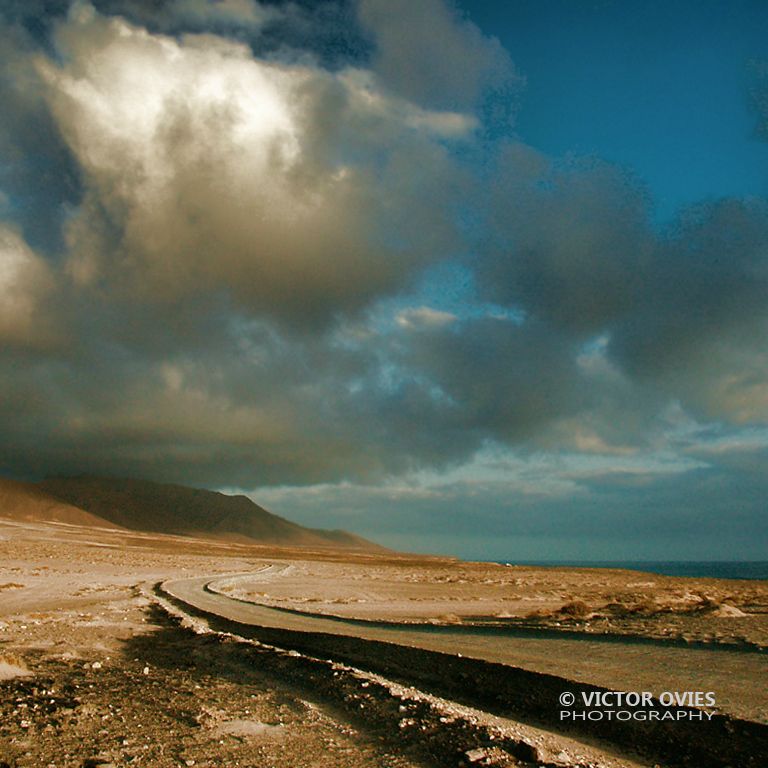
243,406
682,312
700,329
288,29
245,17
666,513
431,55
199,242
496,376
569,242
35,17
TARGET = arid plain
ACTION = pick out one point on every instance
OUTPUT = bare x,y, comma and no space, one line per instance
96,671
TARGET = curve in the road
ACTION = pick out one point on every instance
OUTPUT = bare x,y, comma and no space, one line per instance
510,676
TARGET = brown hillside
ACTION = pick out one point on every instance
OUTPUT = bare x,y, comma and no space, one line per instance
27,502
163,508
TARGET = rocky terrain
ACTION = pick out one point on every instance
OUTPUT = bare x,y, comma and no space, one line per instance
593,601
95,672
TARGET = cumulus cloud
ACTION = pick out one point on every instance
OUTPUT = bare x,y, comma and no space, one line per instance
26,283
216,269
699,330
678,313
428,53
567,241
218,194
295,190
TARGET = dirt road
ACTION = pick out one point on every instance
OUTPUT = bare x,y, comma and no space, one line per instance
620,664
498,674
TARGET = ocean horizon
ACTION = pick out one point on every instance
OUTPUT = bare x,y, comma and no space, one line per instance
717,569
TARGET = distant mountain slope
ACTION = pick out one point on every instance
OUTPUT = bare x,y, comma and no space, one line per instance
162,508
27,502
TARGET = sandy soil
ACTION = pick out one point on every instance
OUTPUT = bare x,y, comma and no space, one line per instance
586,600
93,673
89,675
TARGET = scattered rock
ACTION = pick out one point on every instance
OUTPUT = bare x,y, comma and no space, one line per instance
98,762
576,609
12,667
247,729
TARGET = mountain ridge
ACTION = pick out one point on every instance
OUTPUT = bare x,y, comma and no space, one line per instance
147,506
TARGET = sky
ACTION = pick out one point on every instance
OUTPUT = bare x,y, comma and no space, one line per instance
479,278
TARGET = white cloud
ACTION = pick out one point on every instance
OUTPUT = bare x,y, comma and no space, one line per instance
414,318
25,283
300,192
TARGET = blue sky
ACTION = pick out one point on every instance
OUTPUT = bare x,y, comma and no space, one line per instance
661,88
486,279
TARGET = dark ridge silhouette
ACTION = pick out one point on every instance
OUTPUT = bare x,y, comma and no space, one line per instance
141,505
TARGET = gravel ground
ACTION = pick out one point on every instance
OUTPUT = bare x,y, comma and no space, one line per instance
94,673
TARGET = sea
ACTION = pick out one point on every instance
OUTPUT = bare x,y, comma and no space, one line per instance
713,569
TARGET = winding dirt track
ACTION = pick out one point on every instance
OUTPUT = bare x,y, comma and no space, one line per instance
622,664
505,674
